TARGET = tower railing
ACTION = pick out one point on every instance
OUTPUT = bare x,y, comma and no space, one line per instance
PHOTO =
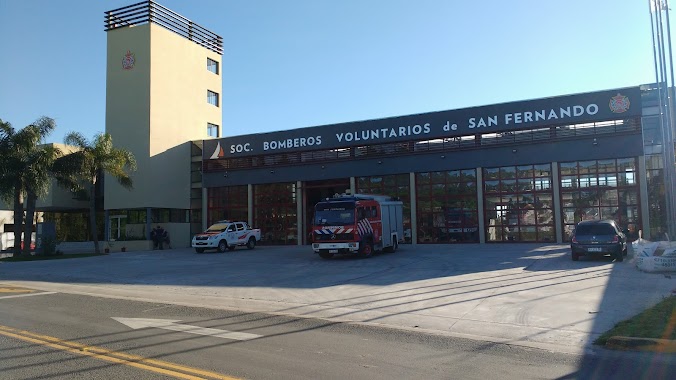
149,11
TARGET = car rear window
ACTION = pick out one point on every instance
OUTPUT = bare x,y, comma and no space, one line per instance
595,229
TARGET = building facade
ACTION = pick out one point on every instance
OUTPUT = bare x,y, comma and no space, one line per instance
524,171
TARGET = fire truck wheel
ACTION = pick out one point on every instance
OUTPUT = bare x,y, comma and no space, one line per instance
251,244
325,255
367,249
392,248
222,246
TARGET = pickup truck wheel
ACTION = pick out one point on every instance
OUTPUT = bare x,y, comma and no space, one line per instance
231,248
199,250
325,255
222,246
251,244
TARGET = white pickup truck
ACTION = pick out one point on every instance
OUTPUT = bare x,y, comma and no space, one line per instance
226,234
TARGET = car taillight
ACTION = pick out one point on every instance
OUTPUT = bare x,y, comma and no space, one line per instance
616,239
574,240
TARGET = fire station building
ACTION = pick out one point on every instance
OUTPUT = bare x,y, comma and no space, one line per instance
524,171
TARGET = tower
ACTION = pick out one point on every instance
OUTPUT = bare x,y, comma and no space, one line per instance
163,90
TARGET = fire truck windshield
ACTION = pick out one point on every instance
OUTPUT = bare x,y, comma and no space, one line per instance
330,217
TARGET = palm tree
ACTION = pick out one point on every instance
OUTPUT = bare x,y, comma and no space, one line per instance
37,183
93,158
20,158
6,165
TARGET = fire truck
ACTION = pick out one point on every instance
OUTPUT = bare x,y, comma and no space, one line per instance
359,224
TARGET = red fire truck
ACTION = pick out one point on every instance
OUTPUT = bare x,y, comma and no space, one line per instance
358,224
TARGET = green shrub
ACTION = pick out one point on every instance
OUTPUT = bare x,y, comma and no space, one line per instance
48,246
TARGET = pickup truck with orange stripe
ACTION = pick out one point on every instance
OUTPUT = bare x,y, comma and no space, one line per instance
226,234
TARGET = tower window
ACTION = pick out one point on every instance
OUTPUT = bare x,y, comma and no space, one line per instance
212,66
212,98
212,130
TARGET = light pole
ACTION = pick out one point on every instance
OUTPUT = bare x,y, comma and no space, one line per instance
664,77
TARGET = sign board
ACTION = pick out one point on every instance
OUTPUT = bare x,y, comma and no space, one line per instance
615,104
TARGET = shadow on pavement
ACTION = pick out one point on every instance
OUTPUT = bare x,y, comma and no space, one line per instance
517,292
627,292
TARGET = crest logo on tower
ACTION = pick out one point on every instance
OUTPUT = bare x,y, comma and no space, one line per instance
128,60
619,103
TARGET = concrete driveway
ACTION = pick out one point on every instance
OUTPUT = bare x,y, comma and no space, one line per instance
526,294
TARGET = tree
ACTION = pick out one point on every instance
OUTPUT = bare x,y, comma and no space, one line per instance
92,159
21,157
37,181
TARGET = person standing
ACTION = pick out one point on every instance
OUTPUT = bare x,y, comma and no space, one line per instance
158,236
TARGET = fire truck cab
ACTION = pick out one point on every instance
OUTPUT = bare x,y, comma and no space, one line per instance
358,224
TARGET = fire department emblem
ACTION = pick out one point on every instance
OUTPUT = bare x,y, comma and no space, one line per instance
128,60
619,103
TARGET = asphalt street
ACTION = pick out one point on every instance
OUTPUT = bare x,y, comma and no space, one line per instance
285,347
526,294
281,312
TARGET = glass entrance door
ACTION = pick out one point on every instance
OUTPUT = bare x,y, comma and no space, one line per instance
117,227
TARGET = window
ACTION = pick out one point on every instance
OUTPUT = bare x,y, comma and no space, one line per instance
227,203
518,203
212,66
275,213
169,215
136,216
178,216
603,189
212,98
212,130
361,213
447,206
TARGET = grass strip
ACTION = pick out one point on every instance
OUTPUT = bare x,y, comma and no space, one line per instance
53,257
658,322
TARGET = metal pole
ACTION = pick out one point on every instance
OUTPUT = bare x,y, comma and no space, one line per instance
670,187
665,116
664,75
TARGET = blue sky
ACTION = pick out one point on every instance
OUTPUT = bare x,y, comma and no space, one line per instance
299,63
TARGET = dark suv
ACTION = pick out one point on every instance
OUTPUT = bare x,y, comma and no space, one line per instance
598,237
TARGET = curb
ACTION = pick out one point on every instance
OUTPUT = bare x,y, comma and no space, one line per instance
626,343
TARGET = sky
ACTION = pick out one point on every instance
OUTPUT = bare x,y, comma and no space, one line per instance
300,63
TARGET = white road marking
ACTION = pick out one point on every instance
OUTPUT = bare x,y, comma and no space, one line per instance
167,324
27,295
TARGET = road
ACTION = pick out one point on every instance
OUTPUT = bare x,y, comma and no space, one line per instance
526,294
507,311
53,335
